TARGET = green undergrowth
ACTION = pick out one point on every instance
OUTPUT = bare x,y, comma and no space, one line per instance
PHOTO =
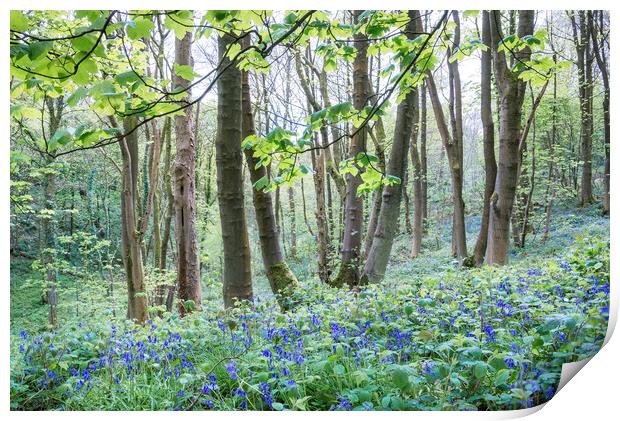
488,338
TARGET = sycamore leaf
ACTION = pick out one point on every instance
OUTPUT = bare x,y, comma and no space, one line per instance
141,27
184,71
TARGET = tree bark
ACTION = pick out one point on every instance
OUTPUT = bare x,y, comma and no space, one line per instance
188,266
48,221
229,164
387,223
598,36
488,140
352,241
418,160
511,94
281,279
453,143
581,38
130,235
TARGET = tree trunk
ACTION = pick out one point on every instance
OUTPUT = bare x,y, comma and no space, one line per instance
318,166
130,236
229,163
48,221
581,38
188,266
167,294
453,146
351,242
511,94
387,223
291,207
488,139
601,61
281,279
418,197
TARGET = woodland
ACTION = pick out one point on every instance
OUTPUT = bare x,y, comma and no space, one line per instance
306,209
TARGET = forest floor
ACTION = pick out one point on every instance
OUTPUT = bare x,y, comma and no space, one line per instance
432,336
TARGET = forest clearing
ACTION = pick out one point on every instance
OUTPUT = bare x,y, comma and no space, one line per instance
306,210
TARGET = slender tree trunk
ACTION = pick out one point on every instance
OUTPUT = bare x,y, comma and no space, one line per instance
581,38
293,219
130,237
188,266
354,204
281,279
418,197
229,163
488,139
48,244
453,144
167,293
407,204
318,165
597,35
530,193
48,221
387,223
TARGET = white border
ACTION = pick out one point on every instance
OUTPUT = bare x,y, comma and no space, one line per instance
592,395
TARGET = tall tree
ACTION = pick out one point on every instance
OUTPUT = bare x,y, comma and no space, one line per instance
581,38
281,279
599,34
48,235
354,203
188,266
387,221
488,140
229,164
418,157
319,160
511,94
131,249
453,142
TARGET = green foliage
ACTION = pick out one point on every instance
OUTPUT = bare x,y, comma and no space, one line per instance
339,350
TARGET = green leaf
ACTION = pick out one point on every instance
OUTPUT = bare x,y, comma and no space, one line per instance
77,96
185,71
501,377
401,379
127,78
261,183
339,370
140,27
37,49
480,369
84,43
181,22
19,21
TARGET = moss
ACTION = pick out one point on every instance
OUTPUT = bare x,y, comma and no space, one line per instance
347,275
282,280
469,262
283,283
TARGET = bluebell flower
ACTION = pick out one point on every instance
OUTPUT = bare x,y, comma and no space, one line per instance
232,370
344,404
368,406
265,391
490,332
